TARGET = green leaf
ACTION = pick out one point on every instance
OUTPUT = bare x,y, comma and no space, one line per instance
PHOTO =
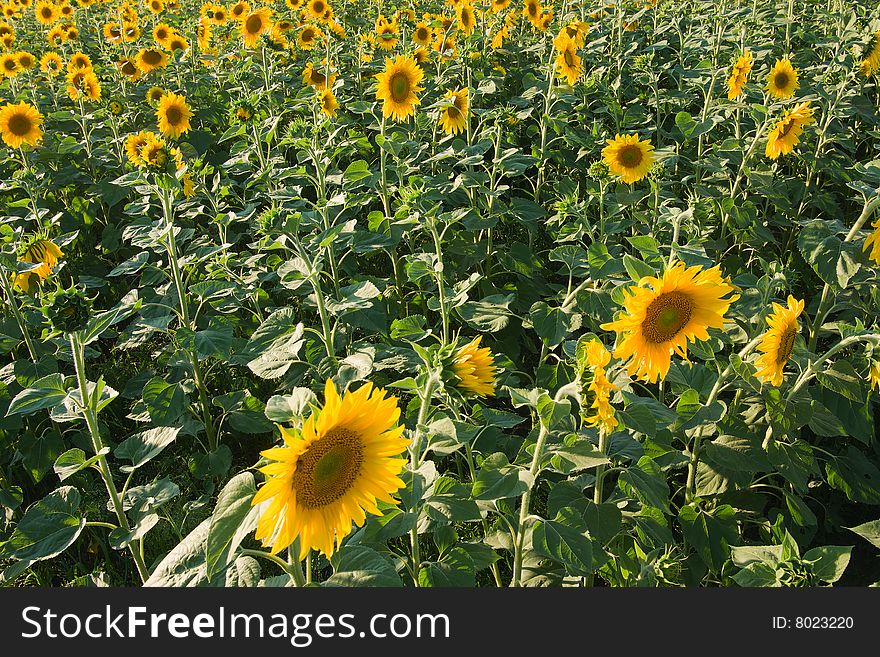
637,269
450,502
645,481
145,446
497,479
757,574
843,379
709,533
828,562
559,540
46,392
233,519
575,458
289,408
551,324
856,476
185,564
165,402
358,565
870,531
455,569
74,460
490,314
47,528
835,261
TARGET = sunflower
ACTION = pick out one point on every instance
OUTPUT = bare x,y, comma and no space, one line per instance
874,375
42,251
453,117
294,5
9,65
173,115
112,32
467,20
386,35
475,369
317,8
177,42
151,59
422,34
662,314
71,34
601,412
239,10
421,55
327,102
131,32
777,343
532,10
873,243
331,473
308,36
79,62
154,154
498,6
568,64
83,83
129,68
20,124
255,24
316,78
135,143
785,135
156,6
782,81
628,157
46,12
219,17
738,75
51,63
162,34
871,62
398,86
26,60
154,95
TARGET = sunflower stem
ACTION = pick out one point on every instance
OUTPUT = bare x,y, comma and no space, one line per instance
16,312
415,463
89,405
438,273
294,566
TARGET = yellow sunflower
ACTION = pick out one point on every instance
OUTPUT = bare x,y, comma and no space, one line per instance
316,77
9,65
532,10
498,6
156,6
327,102
786,134
154,153
317,8
154,95
422,34
239,10
386,35
782,81
79,62
475,368
83,84
628,157
568,63
874,375
453,118
51,64
255,24
777,343
307,37
151,59
601,412
26,60
112,32
738,75
398,85
129,68
42,251
162,33
467,19
421,55
20,124
135,143
173,115
870,64
873,243
46,12
662,314
219,17
332,473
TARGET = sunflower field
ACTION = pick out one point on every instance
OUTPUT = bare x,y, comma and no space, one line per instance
440,293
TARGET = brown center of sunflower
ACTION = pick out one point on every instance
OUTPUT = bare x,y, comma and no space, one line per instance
10,64
399,86
20,125
666,316
152,57
307,35
173,115
532,8
161,34
46,12
254,24
328,468
630,156
422,34
568,56
128,68
318,7
781,80
786,344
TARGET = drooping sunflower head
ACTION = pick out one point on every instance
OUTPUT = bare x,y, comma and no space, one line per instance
39,250
662,314
398,85
475,369
736,82
628,157
782,81
316,77
333,472
467,19
154,95
51,63
327,102
154,154
20,124
786,134
173,115
568,63
150,59
129,68
777,343
79,62
453,117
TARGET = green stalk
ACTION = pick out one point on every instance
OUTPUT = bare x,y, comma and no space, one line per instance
444,311
89,407
516,580
415,462
16,312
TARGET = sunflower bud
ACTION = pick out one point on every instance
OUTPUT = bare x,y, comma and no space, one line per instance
598,171
68,310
